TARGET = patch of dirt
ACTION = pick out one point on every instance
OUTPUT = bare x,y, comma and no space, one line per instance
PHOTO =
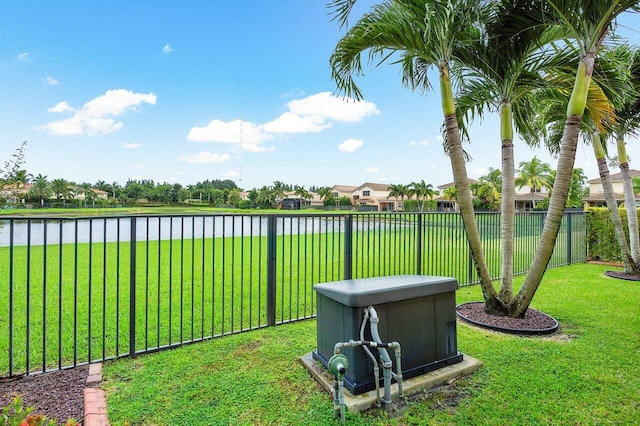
604,262
444,398
248,347
622,275
56,395
534,321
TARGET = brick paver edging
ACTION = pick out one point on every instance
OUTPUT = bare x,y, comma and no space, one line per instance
95,404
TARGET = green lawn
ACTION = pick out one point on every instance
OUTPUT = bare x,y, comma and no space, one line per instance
590,376
196,288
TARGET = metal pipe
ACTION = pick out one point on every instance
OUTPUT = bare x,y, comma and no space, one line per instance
376,369
384,355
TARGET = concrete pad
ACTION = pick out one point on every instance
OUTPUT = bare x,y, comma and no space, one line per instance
367,400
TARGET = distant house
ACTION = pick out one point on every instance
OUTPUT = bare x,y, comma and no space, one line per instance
443,204
293,199
340,191
596,192
373,195
525,198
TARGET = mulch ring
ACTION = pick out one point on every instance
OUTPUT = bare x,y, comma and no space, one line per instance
533,323
622,275
57,395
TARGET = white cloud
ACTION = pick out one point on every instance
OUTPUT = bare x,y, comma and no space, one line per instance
292,123
326,161
50,81
249,135
350,145
312,114
420,143
167,48
205,158
131,145
93,119
60,107
439,138
328,106
24,57
372,169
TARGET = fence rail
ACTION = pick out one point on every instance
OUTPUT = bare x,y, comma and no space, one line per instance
80,290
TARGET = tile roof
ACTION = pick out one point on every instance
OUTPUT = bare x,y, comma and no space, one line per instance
617,177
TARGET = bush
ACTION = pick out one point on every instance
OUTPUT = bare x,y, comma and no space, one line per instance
15,414
601,238
246,204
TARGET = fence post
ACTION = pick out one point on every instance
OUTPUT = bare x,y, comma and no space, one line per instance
271,269
569,254
420,216
11,231
132,287
348,246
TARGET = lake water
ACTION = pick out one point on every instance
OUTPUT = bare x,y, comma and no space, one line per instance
53,231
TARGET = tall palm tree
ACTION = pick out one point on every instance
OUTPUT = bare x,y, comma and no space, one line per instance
588,24
489,186
450,194
301,192
425,35
501,73
325,194
628,123
278,190
612,205
41,189
422,191
535,174
18,179
60,189
398,190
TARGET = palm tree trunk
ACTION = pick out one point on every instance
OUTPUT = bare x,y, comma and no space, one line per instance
629,203
560,192
612,205
508,204
463,191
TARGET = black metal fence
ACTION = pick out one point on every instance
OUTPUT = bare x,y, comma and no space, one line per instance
78,290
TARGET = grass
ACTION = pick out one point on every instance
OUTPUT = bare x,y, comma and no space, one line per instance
588,377
195,288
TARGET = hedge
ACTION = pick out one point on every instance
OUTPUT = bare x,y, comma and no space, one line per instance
601,238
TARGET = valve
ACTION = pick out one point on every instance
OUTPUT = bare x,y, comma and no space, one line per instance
338,365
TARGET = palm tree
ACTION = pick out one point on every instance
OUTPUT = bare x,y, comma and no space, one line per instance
426,35
628,123
501,73
266,198
490,187
87,191
18,179
60,189
278,190
398,190
422,191
451,195
325,194
535,174
588,24
41,189
629,265
301,192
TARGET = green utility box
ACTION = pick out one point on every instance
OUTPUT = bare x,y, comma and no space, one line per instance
417,311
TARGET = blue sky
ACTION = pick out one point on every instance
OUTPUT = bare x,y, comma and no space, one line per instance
186,91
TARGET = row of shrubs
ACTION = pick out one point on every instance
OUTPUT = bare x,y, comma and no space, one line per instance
601,237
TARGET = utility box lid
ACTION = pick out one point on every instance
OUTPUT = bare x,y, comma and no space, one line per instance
374,291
